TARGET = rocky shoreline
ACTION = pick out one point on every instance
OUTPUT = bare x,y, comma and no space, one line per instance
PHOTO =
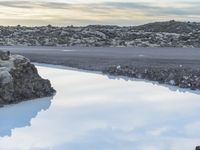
180,77
20,81
176,67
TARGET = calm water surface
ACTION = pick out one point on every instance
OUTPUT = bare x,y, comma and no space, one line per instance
95,112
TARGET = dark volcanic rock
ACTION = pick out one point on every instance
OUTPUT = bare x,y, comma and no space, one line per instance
4,56
198,148
158,34
181,77
19,80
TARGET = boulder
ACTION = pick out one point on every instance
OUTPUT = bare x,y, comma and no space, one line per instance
4,55
20,81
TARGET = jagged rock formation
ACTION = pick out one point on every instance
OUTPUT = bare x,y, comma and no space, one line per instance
19,80
159,34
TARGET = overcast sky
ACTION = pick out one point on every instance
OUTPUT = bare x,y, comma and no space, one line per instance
84,12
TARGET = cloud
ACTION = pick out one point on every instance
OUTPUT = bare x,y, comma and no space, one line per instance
16,4
129,5
101,12
155,9
151,8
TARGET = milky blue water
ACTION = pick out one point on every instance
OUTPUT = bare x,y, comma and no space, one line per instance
91,111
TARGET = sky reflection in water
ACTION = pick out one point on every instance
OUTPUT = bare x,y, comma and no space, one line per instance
92,112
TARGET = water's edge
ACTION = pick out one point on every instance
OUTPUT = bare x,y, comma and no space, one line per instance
116,73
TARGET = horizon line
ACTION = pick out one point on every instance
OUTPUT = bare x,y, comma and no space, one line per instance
71,25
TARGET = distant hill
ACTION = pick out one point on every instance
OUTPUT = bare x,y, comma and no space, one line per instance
159,34
170,27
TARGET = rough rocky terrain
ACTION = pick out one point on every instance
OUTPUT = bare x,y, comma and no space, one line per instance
181,77
19,80
158,34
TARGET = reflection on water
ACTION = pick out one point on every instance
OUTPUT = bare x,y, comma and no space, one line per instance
17,116
172,88
91,112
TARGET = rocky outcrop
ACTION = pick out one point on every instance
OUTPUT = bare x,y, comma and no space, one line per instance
19,80
181,77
